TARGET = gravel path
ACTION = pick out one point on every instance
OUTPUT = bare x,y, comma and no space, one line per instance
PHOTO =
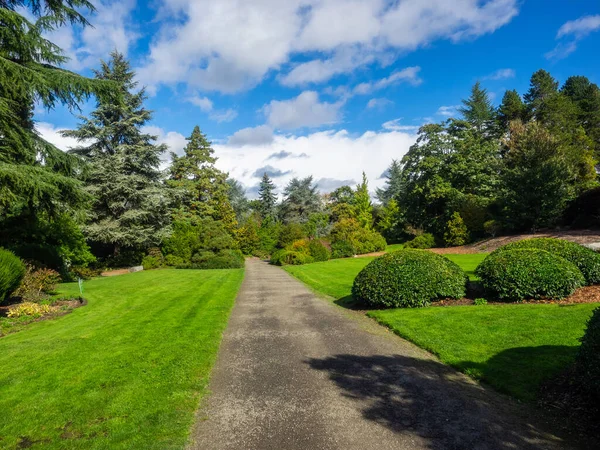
297,372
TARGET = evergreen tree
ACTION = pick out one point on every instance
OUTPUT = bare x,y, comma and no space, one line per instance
542,87
393,185
362,204
478,109
586,96
237,199
267,198
37,185
301,199
202,189
129,209
511,108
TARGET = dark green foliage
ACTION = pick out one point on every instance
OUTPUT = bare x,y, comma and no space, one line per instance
290,233
267,198
584,211
151,262
511,108
269,233
456,232
224,259
477,110
408,279
289,257
528,273
12,271
300,200
588,358
318,251
342,249
586,260
423,241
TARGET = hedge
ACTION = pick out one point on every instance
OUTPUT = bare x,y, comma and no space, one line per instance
585,259
528,273
12,271
408,278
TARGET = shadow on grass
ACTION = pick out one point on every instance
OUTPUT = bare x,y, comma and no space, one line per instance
522,371
428,399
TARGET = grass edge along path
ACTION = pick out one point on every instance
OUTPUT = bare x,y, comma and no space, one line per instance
125,371
512,347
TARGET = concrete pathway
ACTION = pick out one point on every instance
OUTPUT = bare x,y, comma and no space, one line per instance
297,372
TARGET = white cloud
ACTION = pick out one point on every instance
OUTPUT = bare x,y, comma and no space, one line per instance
329,156
570,33
501,74
408,75
448,111
394,125
261,135
303,111
206,105
225,115
378,103
230,45
52,134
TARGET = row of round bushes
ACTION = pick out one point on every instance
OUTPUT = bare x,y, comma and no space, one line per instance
530,269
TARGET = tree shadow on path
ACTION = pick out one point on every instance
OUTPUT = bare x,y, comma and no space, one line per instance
426,398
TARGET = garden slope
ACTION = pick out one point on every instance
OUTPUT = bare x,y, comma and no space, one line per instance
124,371
295,372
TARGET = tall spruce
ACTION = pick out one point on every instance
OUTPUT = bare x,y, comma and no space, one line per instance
362,204
511,108
202,189
478,109
130,209
38,191
267,198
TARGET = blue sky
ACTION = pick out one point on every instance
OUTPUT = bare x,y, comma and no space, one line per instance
327,88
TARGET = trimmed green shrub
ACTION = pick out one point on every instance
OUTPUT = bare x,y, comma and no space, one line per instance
367,241
422,241
173,260
342,249
528,273
588,358
588,261
151,262
408,279
318,251
289,257
348,238
456,231
12,271
480,301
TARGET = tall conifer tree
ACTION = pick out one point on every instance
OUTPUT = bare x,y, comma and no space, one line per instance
267,198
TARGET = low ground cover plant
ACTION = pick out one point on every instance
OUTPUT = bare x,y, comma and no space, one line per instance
408,278
528,273
585,259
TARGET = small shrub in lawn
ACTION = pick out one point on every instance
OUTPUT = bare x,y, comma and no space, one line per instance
587,260
422,241
528,273
151,262
288,257
480,301
37,284
588,358
12,271
318,251
408,278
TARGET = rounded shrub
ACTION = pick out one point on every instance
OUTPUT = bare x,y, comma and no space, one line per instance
12,271
289,257
528,273
588,357
318,251
408,278
423,241
584,258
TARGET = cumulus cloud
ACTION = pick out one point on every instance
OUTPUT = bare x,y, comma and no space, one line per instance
261,135
271,171
206,105
330,155
52,134
230,45
303,111
570,33
174,141
501,74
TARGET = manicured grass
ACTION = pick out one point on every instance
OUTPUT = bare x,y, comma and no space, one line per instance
125,371
512,347
394,247
468,262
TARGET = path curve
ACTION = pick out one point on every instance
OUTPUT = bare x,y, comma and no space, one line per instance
297,372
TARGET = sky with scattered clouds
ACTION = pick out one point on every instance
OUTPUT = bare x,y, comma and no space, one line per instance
327,88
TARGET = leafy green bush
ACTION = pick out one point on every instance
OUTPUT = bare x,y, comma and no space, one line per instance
342,249
422,241
492,227
85,273
367,241
480,301
12,271
37,284
151,262
588,358
408,278
348,238
528,273
290,233
318,251
585,259
289,257
173,260
456,231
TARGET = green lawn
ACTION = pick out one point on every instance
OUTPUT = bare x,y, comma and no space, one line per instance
125,371
512,347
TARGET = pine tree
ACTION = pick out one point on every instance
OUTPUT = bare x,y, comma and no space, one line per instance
37,184
267,198
362,204
130,209
542,87
202,189
511,108
393,186
478,109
